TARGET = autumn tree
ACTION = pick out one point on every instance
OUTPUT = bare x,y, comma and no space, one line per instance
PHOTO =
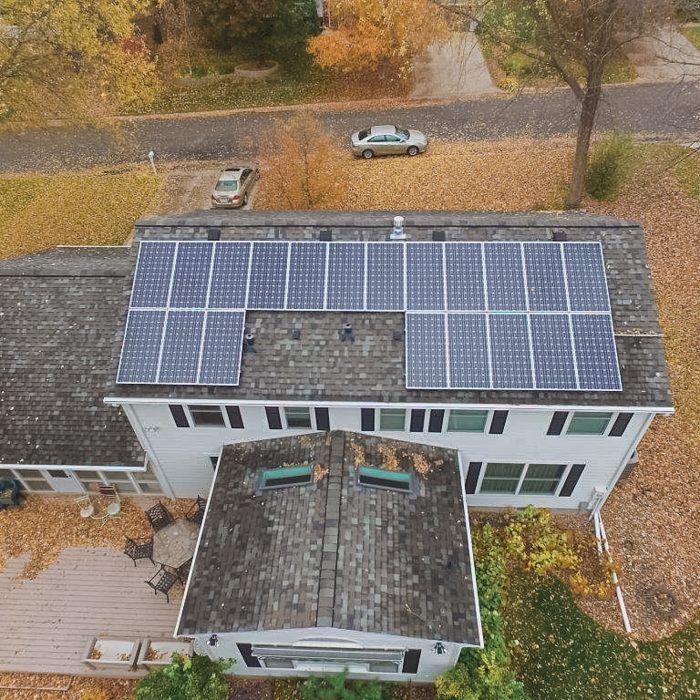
302,166
575,39
74,59
377,36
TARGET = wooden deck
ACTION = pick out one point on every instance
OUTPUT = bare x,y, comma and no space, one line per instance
46,622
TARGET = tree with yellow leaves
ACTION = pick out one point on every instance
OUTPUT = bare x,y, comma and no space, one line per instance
71,59
301,165
369,36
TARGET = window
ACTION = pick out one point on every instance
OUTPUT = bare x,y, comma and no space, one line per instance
286,476
298,417
588,423
207,415
521,479
461,421
326,658
392,419
384,479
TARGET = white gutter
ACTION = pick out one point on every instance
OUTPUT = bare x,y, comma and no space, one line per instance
471,553
77,467
122,400
602,544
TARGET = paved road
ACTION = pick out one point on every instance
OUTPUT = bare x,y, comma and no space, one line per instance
669,110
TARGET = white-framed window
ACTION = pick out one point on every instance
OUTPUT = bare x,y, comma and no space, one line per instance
298,416
522,479
466,421
331,659
209,416
589,423
392,419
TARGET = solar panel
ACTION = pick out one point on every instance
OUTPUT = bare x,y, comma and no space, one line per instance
585,275
552,351
141,347
152,276
346,276
596,355
307,275
545,276
425,275
191,275
510,351
221,350
504,277
385,277
181,345
464,276
268,275
468,349
229,276
426,366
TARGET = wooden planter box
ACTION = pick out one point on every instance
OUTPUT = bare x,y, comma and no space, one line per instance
161,652
111,654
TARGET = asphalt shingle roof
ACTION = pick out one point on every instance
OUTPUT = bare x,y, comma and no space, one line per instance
319,367
59,313
333,553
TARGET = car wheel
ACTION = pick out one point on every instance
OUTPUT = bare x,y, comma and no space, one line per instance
412,151
245,199
367,154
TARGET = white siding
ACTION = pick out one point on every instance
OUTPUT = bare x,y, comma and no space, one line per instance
430,664
183,453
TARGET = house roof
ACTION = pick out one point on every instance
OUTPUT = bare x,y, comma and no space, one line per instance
372,369
59,313
333,553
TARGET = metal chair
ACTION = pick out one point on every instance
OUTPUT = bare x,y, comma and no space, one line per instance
139,550
162,582
159,517
196,513
183,571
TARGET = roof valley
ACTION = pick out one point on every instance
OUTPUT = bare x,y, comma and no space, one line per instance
331,532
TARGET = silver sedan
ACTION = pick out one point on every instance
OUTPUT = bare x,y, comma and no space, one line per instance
387,140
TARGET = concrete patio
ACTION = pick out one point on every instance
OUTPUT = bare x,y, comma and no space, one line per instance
88,592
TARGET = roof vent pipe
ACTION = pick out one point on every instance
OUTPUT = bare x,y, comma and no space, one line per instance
397,233
249,342
346,333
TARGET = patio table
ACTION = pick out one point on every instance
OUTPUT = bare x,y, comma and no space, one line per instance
174,545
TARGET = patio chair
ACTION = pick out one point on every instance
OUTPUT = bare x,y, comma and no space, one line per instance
87,509
109,501
183,571
159,517
163,581
196,513
139,550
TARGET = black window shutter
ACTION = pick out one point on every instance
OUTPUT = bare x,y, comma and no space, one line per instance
234,416
570,484
411,659
247,654
368,419
323,421
274,421
437,415
179,415
472,477
498,422
620,424
556,425
417,420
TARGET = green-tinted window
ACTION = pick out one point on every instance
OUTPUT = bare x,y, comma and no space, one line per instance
501,478
467,421
392,419
384,478
298,417
588,423
286,476
542,478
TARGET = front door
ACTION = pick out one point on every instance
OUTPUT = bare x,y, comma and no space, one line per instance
63,481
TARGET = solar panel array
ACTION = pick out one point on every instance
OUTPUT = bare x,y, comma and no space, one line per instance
479,315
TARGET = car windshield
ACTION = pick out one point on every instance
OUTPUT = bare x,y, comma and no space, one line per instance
362,135
403,133
226,186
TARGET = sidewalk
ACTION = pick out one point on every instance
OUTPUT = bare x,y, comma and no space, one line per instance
668,57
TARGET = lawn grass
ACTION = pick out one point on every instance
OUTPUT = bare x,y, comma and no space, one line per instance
94,207
559,652
692,33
